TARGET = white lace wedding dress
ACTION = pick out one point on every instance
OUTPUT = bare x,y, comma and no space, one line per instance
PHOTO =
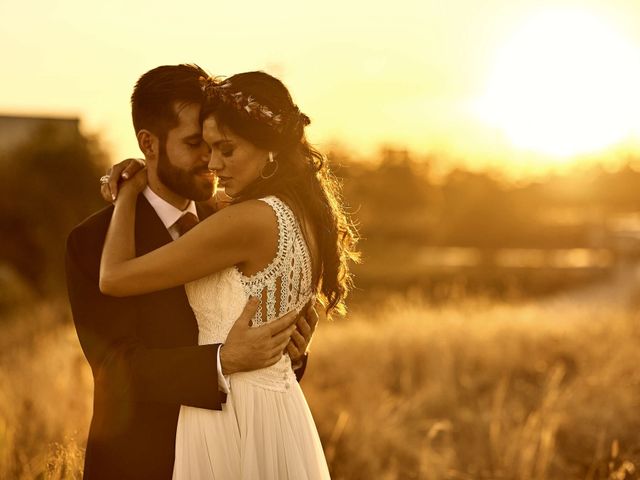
265,429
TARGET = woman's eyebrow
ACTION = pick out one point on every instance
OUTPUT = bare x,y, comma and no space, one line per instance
192,137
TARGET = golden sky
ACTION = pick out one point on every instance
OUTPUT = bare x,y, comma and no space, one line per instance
513,83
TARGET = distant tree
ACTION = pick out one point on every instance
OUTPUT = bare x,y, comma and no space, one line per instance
475,210
619,190
391,196
47,186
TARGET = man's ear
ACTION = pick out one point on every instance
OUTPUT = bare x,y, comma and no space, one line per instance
149,144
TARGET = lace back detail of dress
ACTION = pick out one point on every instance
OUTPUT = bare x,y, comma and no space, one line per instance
285,284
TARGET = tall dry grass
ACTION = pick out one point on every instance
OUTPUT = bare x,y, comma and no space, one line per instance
476,390
45,394
480,391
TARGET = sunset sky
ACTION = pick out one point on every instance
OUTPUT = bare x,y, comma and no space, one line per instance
514,83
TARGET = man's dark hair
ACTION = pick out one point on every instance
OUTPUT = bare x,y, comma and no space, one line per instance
158,91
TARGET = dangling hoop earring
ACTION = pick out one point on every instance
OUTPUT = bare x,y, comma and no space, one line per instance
271,161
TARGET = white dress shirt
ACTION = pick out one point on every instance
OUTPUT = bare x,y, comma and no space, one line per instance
169,215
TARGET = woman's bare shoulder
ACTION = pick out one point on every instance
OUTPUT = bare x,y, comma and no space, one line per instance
251,216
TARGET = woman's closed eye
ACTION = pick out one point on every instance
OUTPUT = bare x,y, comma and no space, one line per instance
226,150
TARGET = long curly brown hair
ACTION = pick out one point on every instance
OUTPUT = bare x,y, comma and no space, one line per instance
303,178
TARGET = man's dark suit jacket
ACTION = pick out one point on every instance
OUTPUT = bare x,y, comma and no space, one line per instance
144,355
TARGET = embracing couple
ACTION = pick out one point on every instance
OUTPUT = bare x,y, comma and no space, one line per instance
195,319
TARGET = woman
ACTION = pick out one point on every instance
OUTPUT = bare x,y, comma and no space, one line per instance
284,240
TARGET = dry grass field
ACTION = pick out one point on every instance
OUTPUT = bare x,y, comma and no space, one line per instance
479,391
472,390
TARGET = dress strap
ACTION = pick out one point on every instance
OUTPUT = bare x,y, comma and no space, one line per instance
275,281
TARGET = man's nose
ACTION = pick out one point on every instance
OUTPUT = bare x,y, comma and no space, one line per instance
206,153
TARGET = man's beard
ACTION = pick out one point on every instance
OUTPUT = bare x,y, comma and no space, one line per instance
185,183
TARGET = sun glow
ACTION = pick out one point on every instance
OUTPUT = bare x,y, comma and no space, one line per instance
565,84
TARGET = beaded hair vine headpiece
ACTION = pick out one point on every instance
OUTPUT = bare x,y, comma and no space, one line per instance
222,91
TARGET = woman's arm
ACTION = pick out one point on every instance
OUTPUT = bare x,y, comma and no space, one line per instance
239,234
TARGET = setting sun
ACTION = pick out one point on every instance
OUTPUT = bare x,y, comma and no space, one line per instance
565,84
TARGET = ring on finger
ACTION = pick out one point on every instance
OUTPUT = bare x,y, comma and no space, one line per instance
104,179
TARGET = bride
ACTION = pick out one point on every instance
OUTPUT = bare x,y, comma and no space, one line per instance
284,240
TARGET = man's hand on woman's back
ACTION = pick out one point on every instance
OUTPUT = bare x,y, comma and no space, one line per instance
250,348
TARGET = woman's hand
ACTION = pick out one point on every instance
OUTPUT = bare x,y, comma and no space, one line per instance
118,174
301,336
135,185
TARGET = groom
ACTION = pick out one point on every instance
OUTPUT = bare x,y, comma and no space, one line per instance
143,350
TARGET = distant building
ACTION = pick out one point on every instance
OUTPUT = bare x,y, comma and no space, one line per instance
395,155
16,130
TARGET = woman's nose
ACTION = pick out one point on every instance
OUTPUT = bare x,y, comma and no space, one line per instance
214,161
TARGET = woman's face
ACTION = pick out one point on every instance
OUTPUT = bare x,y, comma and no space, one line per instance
236,161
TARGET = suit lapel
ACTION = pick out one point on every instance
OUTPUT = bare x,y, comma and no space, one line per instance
204,210
166,316
150,231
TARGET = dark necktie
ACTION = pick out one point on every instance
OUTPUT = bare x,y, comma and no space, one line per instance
185,223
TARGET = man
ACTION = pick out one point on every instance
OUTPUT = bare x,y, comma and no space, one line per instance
143,350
